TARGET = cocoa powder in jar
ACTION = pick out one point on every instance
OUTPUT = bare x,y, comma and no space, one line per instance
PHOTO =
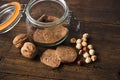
49,35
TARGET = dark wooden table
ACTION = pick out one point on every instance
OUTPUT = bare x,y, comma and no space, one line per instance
100,18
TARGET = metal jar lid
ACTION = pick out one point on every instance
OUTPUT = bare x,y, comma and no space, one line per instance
9,16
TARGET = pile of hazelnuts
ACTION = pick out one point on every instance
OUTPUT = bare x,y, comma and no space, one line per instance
85,50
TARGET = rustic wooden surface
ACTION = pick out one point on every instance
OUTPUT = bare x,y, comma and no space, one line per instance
100,18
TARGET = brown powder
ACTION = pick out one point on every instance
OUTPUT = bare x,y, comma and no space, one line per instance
50,35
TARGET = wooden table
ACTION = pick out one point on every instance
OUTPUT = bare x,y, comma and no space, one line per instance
100,18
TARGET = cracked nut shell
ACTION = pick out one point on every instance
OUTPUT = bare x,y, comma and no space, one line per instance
19,40
28,50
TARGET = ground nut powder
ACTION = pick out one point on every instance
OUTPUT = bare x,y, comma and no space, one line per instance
49,35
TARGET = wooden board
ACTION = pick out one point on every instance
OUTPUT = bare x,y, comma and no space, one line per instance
99,18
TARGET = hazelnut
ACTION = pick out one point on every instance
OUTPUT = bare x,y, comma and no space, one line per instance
80,52
90,46
93,58
78,46
84,39
78,41
19,40
84,43
88,60
79,62
85,55
28,50
85,49
91,51
85,35
73,40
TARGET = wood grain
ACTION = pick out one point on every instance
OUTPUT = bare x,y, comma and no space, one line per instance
105,11
100,18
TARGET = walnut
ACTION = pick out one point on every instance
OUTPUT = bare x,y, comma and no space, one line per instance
19,40
28,50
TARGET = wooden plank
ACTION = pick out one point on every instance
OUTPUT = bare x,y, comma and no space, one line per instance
14,63
7,76
99,18
106,11
14,67
7,38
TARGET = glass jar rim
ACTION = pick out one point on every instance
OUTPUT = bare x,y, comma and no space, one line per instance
49,24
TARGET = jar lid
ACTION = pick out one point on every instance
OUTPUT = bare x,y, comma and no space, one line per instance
9,16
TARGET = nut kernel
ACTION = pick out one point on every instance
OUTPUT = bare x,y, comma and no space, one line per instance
85,35
73,40
91,51
78,46
19,40
90,46
84,39
28,50
80,52
78,41
88,60
85,55
79,62
93,58
84,43
85,49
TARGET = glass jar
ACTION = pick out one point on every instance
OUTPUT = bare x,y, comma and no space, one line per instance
47,21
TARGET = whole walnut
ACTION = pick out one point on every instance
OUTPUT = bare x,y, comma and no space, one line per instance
19,40
29,50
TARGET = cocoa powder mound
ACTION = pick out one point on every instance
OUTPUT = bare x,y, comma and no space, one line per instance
50,35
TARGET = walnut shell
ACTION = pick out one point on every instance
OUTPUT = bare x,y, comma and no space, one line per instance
28,50
19,40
